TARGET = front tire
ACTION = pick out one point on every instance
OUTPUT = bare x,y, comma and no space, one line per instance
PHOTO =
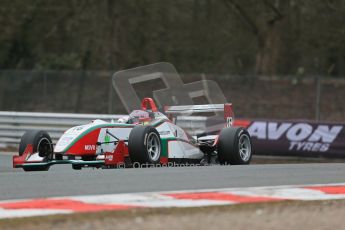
234,146
144,145
41,143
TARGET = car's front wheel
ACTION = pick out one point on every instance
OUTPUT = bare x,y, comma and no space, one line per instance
144,146
41,143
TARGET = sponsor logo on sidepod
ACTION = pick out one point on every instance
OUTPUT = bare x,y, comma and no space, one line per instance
302,136
90,147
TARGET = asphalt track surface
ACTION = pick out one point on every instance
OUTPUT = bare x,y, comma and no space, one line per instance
62,180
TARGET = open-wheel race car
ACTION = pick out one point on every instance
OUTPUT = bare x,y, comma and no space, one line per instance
143,138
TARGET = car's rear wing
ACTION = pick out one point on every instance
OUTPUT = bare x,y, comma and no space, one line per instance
189,110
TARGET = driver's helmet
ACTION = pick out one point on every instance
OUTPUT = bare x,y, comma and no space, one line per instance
123,120
137,117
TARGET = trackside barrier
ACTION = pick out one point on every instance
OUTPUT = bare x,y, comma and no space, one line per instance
296,137
273,137
14,124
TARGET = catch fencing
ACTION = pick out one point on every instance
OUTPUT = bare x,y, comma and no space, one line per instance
285,97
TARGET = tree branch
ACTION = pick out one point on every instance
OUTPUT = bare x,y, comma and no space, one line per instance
278,15
331,5
232,5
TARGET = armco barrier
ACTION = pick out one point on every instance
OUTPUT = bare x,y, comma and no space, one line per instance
14,124
274,137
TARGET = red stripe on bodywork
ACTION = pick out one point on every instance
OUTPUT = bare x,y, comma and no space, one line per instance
329,189
118,156
90,139
242,123
63,204
221,197
19,160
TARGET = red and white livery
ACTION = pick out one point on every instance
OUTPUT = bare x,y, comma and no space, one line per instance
144,137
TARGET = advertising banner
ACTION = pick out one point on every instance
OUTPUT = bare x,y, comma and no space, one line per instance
296,137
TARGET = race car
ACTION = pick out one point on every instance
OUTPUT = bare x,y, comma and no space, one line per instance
146,137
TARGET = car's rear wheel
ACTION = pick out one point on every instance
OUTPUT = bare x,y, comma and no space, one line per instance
41,143
144,146
234,146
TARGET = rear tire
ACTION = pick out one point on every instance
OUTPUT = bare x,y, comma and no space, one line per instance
234,146
144,146
41,143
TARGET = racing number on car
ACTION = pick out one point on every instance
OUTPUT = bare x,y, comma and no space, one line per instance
228,121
